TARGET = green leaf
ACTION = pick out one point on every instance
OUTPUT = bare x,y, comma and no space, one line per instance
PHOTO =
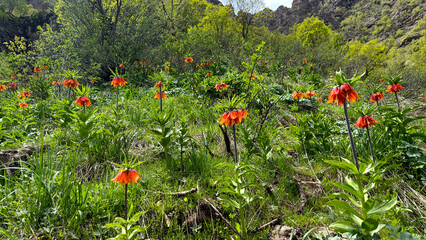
383,208
230,201
348,188
370,224
344,227
343,205
345,164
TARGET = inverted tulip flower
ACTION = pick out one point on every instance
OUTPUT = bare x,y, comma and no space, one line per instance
221,86
365,122
83,101
189,60
2,88
394,86
117,81
340,95
376,97
297,96
160,95
233,118
23,105
309,95
24,95
70,83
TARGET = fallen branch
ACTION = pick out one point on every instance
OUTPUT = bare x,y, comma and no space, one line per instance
264,226
183,193
224,219
302,196
226,139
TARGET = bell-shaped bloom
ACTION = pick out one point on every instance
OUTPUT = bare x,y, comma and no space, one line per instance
83,101
208,63
167,68
304,62
24,95
221,86
310,94
37,69
23,105
189,59
54,83
13,76
378,96
233,117
298,95
349,93
171,60
45,66
320,99
209,74
252,76
70,83
92,81
121,66
337,96
11,85
381,80
118,81
198,66
290,63
394,88
163,95
127,177
159,84
2,88
365,121
203,64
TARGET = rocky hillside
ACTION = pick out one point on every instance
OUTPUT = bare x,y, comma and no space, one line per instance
365,19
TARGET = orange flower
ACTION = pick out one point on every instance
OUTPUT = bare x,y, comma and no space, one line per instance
145,61
381,80
138,62
349,93
2,88
198,66
312,59
312,68
118,81
45,66
70,83
189,59
209,74
252,76
202,64
37,69
24,95
23,105
167,68
163,95
233,117
365,121
395,88
337,96
208,63
158,67
159,84
13,76
92,81
298,95
304,62
331,73
121,66
127,177
83,101
309,94
320,99
376,97
54,83
221,86
290,63
170,60
265,63
421,97
212,60
11,85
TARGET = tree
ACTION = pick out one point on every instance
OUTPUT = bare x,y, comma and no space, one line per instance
245,13
313,32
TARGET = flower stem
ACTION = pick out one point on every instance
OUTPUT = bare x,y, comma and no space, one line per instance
397,101
378,107
161,100
371,144
69,94
117,101
125,203
235,144
350,134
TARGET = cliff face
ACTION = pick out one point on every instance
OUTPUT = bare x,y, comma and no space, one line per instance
328,11
365,19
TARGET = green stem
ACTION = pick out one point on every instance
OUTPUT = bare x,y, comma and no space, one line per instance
371,145
361,190
397,101
378,107
235,144
350,134
161,100
117,102
125,203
